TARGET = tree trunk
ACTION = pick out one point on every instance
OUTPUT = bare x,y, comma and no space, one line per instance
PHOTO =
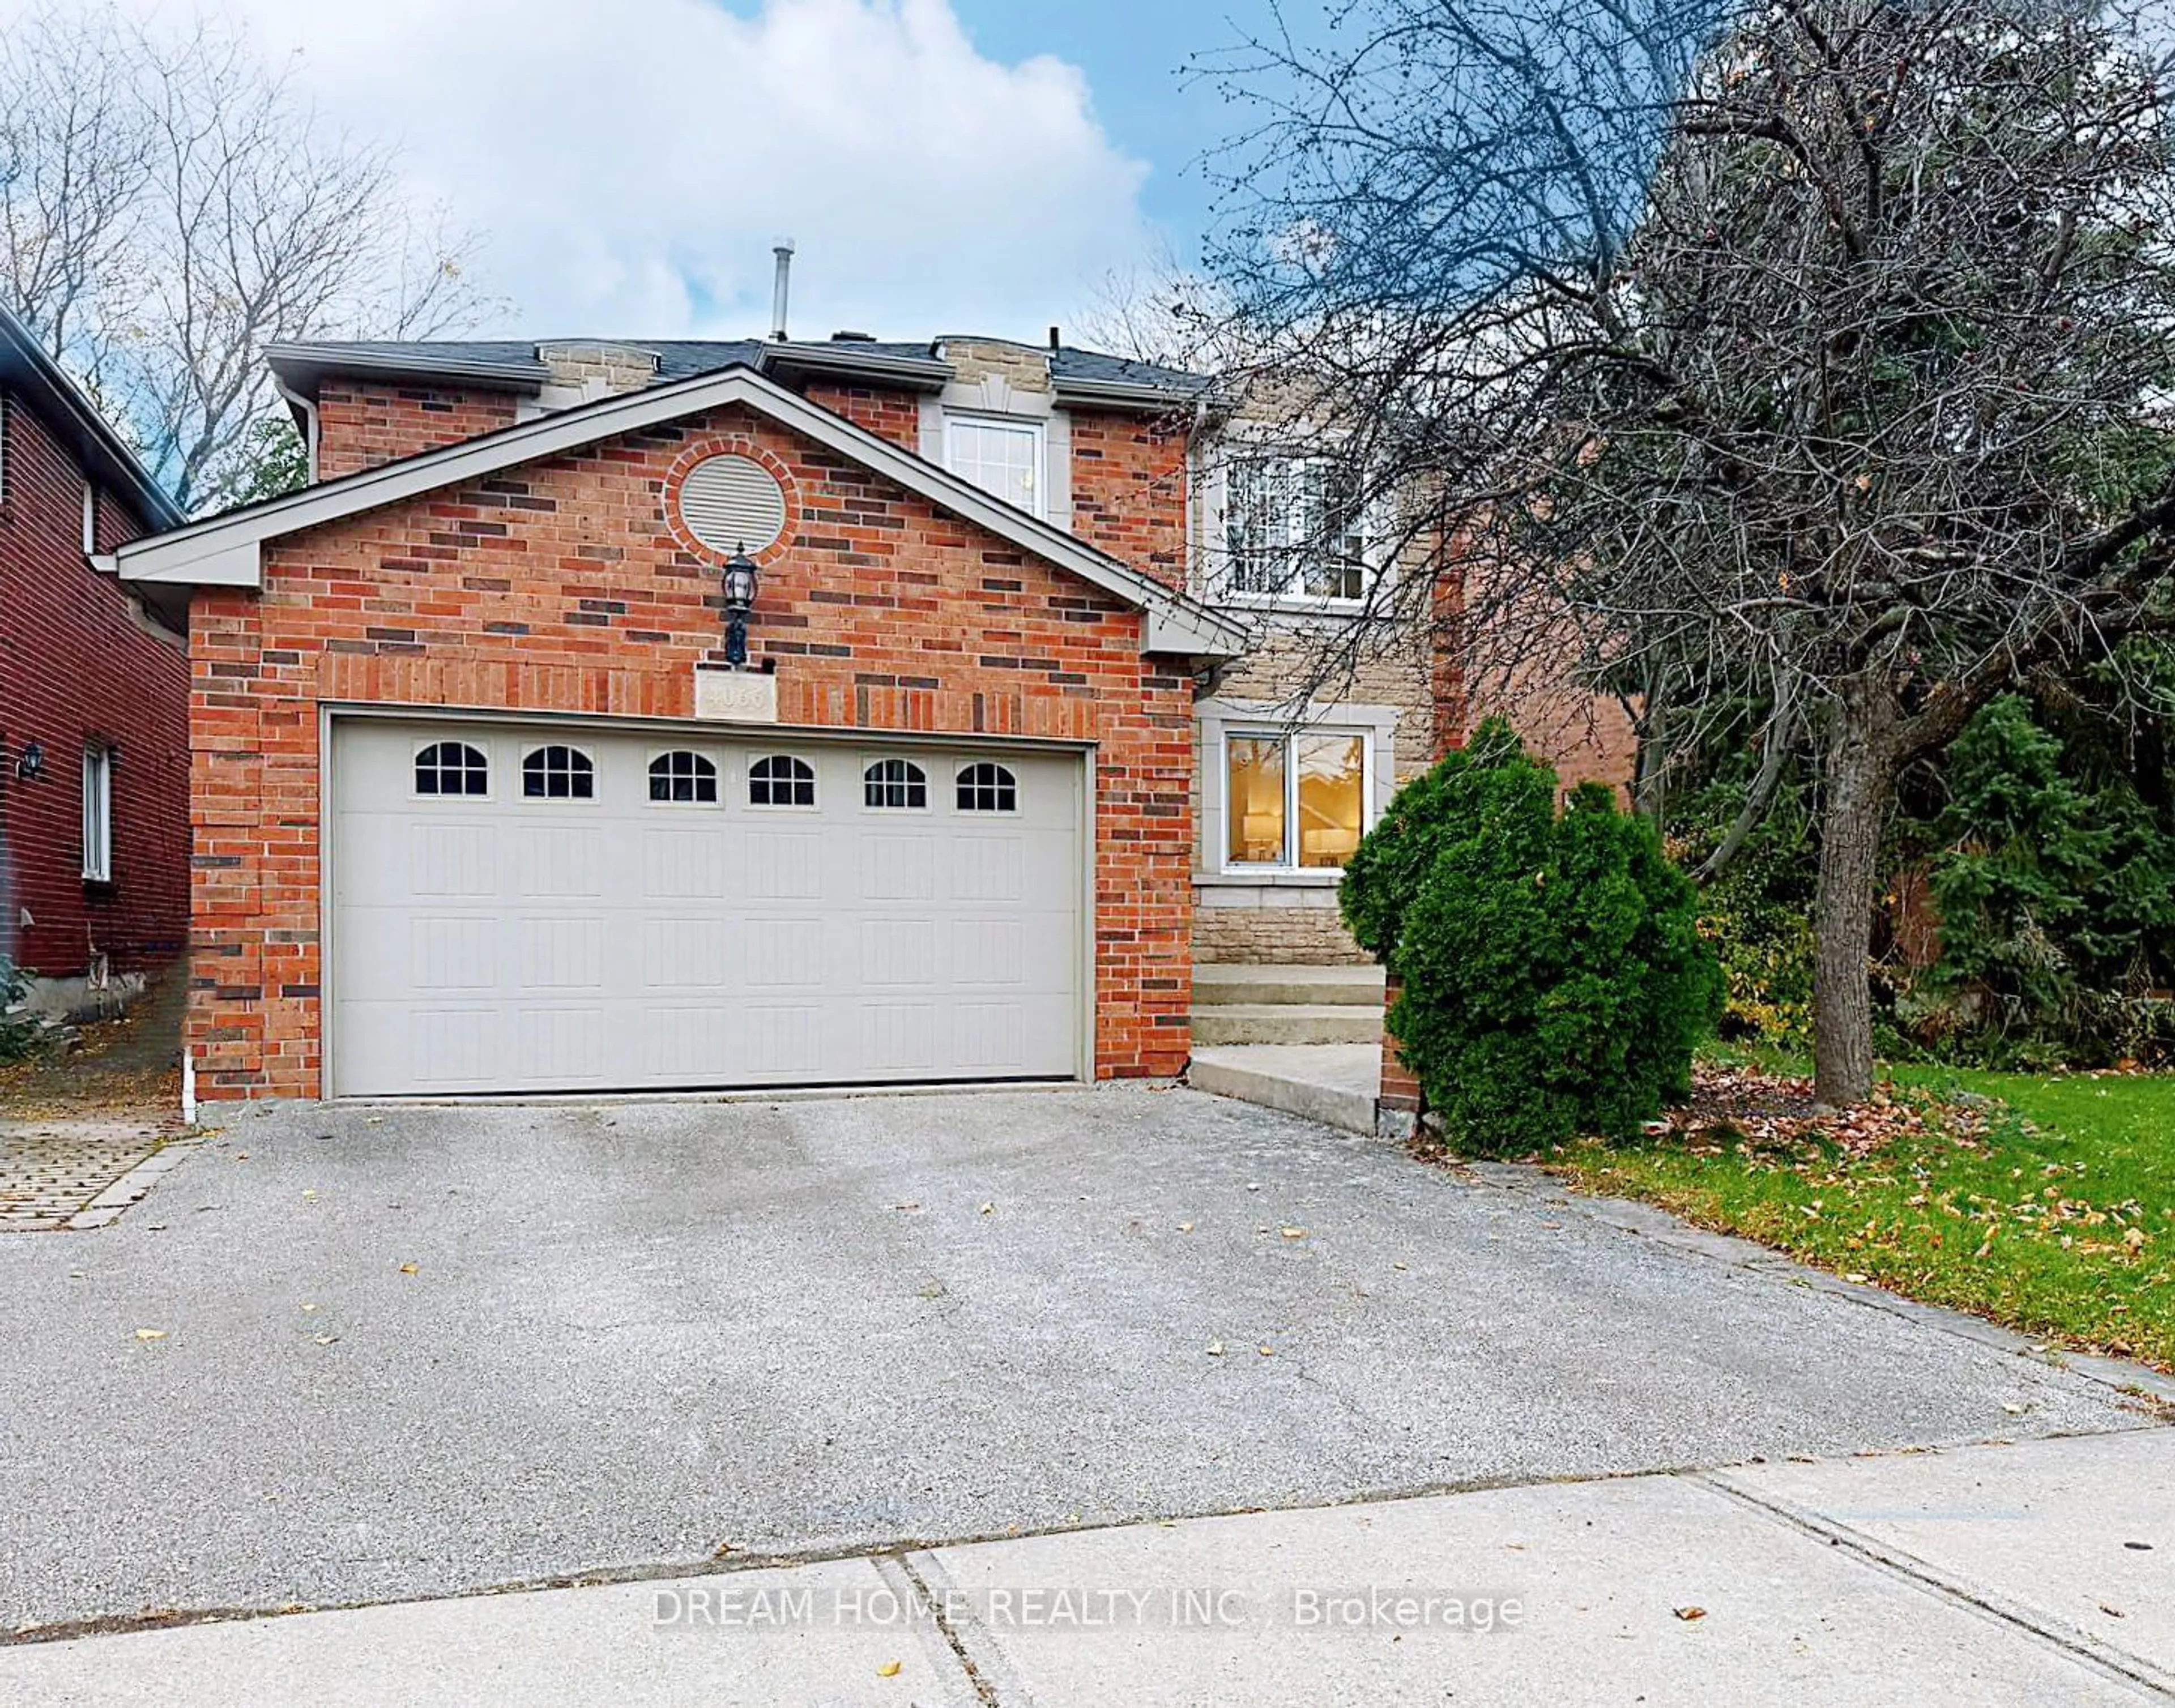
1859,774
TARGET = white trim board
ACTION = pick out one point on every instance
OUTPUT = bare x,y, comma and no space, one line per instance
228,551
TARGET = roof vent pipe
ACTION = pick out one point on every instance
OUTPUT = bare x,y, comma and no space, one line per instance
783,249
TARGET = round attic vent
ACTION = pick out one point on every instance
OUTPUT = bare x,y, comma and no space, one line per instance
732,503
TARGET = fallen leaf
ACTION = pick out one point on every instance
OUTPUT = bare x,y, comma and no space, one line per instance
721,1550
1186,1227
989,1209
307,1306
324,1340
1267,1352
407,1269
1687,1614
2012,1408
911,1204
888,1670
150,1334
1216,1349
2112,1613
1398,1265
1295,1233
310,1194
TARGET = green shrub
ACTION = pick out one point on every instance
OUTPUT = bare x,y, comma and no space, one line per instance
2055,889
1555,981
1384,873
1758,917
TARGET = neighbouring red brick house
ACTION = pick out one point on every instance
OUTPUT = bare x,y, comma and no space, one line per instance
94,699
481,805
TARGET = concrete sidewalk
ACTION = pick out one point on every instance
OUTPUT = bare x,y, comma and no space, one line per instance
2034,1574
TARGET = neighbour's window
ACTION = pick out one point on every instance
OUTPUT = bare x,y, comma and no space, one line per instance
683,776
987,788
89,519
97,813
1004,457
895,783
1295,800
1293,528
781,780
558,774
452,767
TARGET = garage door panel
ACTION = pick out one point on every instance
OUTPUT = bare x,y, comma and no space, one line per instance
785,865
559,860
453,859
687,864
512,944
561,953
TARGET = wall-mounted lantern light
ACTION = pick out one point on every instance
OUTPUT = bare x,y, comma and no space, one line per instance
31,766
741,580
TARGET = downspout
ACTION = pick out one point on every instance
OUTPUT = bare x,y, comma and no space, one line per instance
307,408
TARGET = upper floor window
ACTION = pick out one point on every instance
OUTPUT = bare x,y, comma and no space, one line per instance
451,768
558,774
781,780
1004,457
1293,528
89,518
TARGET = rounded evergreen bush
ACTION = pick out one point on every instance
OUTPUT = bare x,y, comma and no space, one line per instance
1554,981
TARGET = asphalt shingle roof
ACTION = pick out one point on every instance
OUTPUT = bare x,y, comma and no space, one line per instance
679,359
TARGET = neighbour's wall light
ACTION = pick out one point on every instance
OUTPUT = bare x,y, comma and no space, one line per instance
31,766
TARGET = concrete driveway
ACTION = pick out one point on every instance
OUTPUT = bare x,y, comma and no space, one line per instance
634,1333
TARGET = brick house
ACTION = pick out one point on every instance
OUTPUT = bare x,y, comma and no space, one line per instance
480,803
93,700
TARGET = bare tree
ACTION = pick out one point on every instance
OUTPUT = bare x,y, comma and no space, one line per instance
168,206
1814,356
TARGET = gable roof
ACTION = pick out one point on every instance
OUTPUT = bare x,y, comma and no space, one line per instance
227,550
28,372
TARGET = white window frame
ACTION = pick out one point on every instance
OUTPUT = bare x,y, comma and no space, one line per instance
97,812
418,748
1291,736
90,516
1212,557
870,761
813,804
535,750
1037,433
718,778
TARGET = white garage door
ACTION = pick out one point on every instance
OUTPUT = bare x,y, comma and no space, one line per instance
531,908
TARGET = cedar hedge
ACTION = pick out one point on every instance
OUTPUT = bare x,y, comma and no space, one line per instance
1553,980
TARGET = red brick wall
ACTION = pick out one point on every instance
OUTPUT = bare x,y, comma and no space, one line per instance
78,662
894,414
1128,489
560,587
361,425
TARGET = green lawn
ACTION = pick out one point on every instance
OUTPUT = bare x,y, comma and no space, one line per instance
2058,1218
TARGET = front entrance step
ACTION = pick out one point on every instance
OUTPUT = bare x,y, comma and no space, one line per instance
1333,1083
1287,1022
1218,984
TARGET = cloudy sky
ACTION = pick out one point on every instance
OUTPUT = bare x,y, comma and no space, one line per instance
941,164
